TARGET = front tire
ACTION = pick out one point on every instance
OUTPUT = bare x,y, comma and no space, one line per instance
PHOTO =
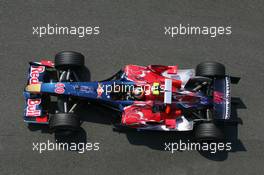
64,122
68,60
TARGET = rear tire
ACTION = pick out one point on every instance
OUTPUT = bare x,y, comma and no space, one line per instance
210,69
68,60
208,132
64,122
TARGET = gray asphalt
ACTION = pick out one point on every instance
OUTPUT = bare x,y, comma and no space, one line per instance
132,32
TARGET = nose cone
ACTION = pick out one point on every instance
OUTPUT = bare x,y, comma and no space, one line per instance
33,88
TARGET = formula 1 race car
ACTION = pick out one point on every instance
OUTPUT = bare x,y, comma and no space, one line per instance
153,97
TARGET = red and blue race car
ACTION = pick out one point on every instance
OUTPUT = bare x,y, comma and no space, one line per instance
153,97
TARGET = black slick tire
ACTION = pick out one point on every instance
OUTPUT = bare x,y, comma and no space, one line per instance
64,121
207,132
210,69
68,60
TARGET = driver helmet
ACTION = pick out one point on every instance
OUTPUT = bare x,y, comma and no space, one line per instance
138,93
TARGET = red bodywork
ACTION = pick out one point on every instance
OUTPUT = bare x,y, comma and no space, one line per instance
141,113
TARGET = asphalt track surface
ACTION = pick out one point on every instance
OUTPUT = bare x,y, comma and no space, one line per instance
132,33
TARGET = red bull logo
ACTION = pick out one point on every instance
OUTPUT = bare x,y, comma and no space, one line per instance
100,90
218,97
32,110
34,73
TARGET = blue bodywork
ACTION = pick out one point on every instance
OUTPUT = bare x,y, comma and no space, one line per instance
89,90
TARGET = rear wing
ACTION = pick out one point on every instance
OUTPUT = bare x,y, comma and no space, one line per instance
222,98
35,108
